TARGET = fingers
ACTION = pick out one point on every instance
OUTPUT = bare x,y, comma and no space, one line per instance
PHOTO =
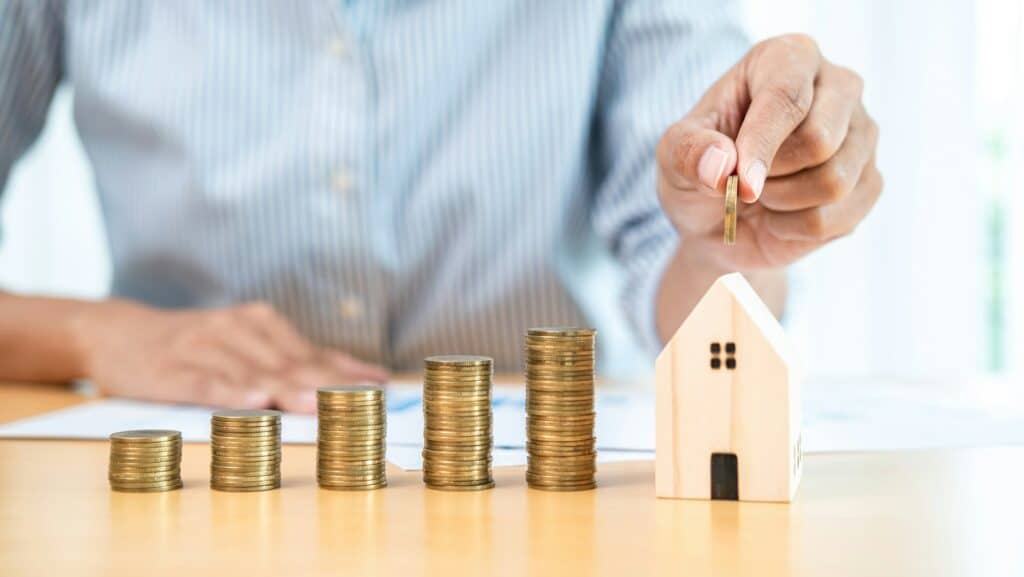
258,335
207,355
693,155
334,368
250,332
205,388
354,368
330,368
837,95
296,400
830,221
830,182
780,80
276,331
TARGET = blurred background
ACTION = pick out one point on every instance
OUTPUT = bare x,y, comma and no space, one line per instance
928,289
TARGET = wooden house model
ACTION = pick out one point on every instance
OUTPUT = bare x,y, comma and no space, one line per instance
728,403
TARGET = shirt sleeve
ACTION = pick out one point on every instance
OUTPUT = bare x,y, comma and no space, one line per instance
31,43
660,58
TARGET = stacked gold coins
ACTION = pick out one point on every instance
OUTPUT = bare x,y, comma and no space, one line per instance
246,450
457,436
145,461
351,427
560,441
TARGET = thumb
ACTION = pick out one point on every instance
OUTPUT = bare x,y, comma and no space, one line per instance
692,154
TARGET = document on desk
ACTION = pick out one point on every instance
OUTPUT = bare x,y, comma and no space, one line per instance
861,416
625,430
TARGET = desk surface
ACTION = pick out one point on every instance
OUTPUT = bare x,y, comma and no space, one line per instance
865,514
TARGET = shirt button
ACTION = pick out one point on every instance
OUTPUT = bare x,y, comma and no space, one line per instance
351,308
342,180
338,47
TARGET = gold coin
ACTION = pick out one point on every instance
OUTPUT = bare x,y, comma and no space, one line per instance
348,468
246,488
448,487
328,449
377,431
146,436
137,459
246,432
375,483
159,489
244,440
346,390
481,396
440,471
732,185
247,463
147,488
247,414
340,417
458,360
154,449
255,454
245,481
554,468
357,409
166,466
459,444
561,332
564,488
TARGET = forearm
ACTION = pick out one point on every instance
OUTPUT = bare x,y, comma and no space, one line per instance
40,340
687,278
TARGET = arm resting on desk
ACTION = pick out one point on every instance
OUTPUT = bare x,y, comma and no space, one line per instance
38,338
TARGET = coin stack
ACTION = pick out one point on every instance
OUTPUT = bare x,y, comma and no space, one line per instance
560,443
246,450
457,436
145,461
351,427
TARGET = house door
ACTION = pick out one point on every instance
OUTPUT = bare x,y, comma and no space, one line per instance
724,483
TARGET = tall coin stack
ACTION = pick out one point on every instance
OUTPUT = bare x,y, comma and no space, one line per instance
145,461
351,428
560,443
457,435
246,450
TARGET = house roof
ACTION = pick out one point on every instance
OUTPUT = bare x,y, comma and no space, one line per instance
758,312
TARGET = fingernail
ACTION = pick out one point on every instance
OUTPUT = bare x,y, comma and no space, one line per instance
256,399
711,166
757,172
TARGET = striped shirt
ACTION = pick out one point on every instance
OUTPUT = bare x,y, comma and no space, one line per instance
399,177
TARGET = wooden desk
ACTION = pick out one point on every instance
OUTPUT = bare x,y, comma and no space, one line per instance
881,514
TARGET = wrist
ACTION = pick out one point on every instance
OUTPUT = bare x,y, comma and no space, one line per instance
703,266
86,328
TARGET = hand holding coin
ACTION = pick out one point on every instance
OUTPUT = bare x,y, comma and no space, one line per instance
790,125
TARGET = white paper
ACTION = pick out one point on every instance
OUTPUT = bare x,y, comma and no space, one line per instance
624,433
837,417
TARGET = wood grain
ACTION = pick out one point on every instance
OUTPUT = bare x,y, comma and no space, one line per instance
931,513
750,409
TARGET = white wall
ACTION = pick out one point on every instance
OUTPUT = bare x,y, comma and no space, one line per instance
902,297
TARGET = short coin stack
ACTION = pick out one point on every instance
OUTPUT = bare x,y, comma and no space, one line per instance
457,435
246,450
560,443
351,427
145,461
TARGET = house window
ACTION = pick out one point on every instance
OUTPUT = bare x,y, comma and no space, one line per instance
730,356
